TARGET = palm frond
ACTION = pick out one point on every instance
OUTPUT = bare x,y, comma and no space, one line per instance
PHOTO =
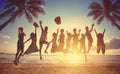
116,17
38,9
95,5
7,12
96,16
28,17
8,5
100,19
36,2
93,12
106,4
34,13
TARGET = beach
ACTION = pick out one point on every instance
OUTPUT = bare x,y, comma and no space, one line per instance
32,68
52,64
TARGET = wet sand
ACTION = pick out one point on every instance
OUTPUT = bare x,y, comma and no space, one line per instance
47,68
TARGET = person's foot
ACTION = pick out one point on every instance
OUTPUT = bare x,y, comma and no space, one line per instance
40,58
15,62
46,52
18,61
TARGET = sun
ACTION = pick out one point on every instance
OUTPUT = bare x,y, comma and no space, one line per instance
73,59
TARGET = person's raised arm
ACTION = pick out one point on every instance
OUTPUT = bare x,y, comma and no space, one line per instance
92,27
95,31
79,31
57,31
104,31
41,25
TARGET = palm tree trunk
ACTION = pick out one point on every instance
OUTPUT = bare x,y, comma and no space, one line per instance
8,21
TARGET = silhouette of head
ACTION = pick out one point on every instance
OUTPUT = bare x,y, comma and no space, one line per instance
20,29
82,34
69,34
46,28
74,30
86,28
32,34
54,34
62,30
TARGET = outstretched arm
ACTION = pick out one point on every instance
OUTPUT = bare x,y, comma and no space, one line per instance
92,27
95,31
41,25
27,40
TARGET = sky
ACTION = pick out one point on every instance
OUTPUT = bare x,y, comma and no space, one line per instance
73,14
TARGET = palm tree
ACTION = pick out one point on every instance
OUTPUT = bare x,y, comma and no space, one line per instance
108,9
16,8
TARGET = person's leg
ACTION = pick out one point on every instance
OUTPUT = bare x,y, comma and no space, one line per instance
20,55
16,55
46,46
41,45
89,46
98,50
85,54
103,50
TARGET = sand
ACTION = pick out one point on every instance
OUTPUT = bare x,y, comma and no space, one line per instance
47,68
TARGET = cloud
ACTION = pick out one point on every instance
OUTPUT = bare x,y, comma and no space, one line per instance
113,44
5,42
4,37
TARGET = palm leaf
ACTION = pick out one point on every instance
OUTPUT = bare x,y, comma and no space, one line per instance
100,19
28,17
95,5
7,12
34,13
116,17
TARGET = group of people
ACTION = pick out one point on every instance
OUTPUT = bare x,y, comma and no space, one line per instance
73,42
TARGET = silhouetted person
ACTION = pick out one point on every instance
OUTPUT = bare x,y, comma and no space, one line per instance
89,37
82,45
61,40
20,45
75,40
33,36
100,42
43,39
68,40
54,42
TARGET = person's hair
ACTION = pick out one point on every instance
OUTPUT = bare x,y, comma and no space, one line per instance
32,34
20,29
74,30
86,28
54,34
46,28
62,30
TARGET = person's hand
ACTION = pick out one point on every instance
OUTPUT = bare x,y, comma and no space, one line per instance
79,30
92,24
40,22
